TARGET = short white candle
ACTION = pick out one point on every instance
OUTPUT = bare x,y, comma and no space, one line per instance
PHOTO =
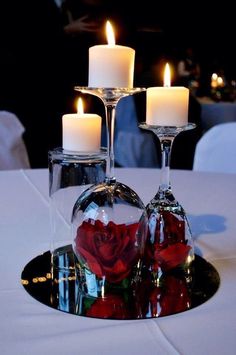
111,65
81,132
167,105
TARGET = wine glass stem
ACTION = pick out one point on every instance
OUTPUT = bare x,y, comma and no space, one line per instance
110,110
166,146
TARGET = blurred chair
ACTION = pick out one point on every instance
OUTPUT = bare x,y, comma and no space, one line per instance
136,147
133,146
216,150
13,152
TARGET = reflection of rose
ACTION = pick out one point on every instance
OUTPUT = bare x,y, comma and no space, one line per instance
172,296
143,300
112,306
166,246
109,250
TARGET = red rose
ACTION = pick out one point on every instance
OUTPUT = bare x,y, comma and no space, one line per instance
108,250
172,256
169,228
166,247
111,307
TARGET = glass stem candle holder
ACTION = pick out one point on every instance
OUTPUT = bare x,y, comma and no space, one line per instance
169,244
109,223
110,98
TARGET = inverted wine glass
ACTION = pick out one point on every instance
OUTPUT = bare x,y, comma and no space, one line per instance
169,244
109,221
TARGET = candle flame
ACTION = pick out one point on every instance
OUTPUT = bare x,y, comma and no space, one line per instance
110,34
220,81
80,107
167,75
214,76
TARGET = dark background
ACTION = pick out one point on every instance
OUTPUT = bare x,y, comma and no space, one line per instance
40,65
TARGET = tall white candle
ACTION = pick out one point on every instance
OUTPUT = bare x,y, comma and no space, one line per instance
111,65
167,105
81,132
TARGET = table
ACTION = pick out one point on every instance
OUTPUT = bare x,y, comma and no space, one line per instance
29,327
216,112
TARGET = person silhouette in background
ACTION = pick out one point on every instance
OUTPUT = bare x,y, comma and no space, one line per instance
188,71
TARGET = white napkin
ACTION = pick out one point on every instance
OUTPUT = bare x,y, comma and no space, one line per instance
13,152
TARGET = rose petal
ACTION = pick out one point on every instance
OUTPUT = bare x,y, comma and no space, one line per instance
112,306
119,271
172,256
175,296
108,251
92,262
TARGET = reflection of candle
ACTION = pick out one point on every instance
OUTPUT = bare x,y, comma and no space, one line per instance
168,105
111,65
81,131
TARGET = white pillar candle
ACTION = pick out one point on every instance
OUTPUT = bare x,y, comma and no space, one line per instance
111,65
81,132
167,106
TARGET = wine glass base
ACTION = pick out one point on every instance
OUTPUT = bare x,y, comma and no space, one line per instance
167,131
109,95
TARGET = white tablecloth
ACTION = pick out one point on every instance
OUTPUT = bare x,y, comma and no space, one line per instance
29,327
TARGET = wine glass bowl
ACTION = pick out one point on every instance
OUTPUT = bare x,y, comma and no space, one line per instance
109,227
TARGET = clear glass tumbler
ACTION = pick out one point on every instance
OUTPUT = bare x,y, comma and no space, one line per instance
70,173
